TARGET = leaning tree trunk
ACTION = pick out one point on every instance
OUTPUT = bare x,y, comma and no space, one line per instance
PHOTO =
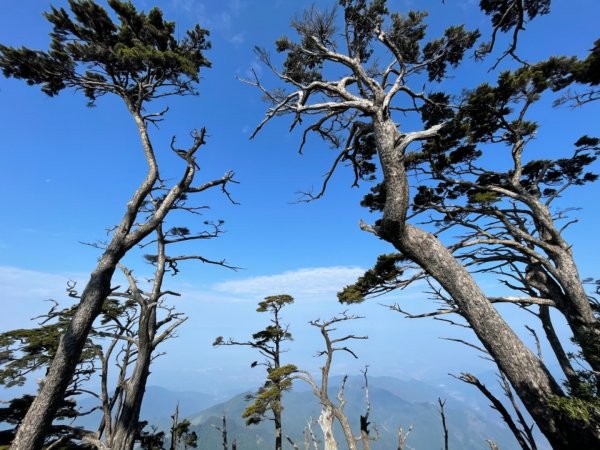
529,377
35,425
32,431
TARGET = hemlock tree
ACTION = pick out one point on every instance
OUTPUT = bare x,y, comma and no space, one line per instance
355,105
268,342
27,351
131,326
138,59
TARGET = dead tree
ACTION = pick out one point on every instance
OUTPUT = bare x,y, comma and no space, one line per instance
330,410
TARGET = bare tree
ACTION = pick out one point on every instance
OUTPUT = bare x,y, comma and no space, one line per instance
523,434
355,105
93,54
330,410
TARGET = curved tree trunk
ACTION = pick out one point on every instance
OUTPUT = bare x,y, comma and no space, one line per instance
33,429
529,377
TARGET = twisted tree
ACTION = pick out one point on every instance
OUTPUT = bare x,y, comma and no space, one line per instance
357,104
138,59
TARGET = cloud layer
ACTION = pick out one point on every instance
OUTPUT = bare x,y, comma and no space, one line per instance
299,283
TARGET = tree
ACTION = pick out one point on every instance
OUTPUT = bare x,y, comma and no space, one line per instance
331,411
356,104
268,342
25,352
180,434
138,59
133,323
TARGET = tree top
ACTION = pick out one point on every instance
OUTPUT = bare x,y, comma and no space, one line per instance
136,57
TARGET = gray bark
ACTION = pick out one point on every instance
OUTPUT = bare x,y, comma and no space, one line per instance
529,377
33,429
326,424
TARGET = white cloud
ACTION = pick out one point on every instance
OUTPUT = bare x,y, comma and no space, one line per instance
301,282
219,19
24,284
24,292
237,39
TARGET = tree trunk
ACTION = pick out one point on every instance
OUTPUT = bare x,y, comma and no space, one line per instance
174,429
127,423
35,425
326,424
529,377
278,433
348,435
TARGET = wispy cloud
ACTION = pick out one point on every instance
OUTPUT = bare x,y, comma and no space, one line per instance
24,284
301,282
24,292
221,19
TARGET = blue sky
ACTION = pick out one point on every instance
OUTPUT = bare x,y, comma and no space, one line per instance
67,171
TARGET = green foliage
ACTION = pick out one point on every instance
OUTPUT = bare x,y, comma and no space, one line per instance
505,14
185,437
274,303
577,409
134,58
271,333
268,397
448,50
485,197
588,70
380,278
151,439
362,19
24,351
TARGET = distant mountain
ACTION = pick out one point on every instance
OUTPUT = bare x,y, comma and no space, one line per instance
160,402
394,403
158,405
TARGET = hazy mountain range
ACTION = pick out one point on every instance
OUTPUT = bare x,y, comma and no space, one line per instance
394,403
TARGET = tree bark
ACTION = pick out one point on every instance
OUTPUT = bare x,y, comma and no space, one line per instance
127,424
529,377
33,429
326,424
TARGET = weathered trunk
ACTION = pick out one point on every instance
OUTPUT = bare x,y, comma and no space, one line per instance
326,424
348,435
35,425
529,377
278,433
562,283
126,427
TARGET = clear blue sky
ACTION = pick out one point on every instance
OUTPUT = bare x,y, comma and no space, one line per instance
66,172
